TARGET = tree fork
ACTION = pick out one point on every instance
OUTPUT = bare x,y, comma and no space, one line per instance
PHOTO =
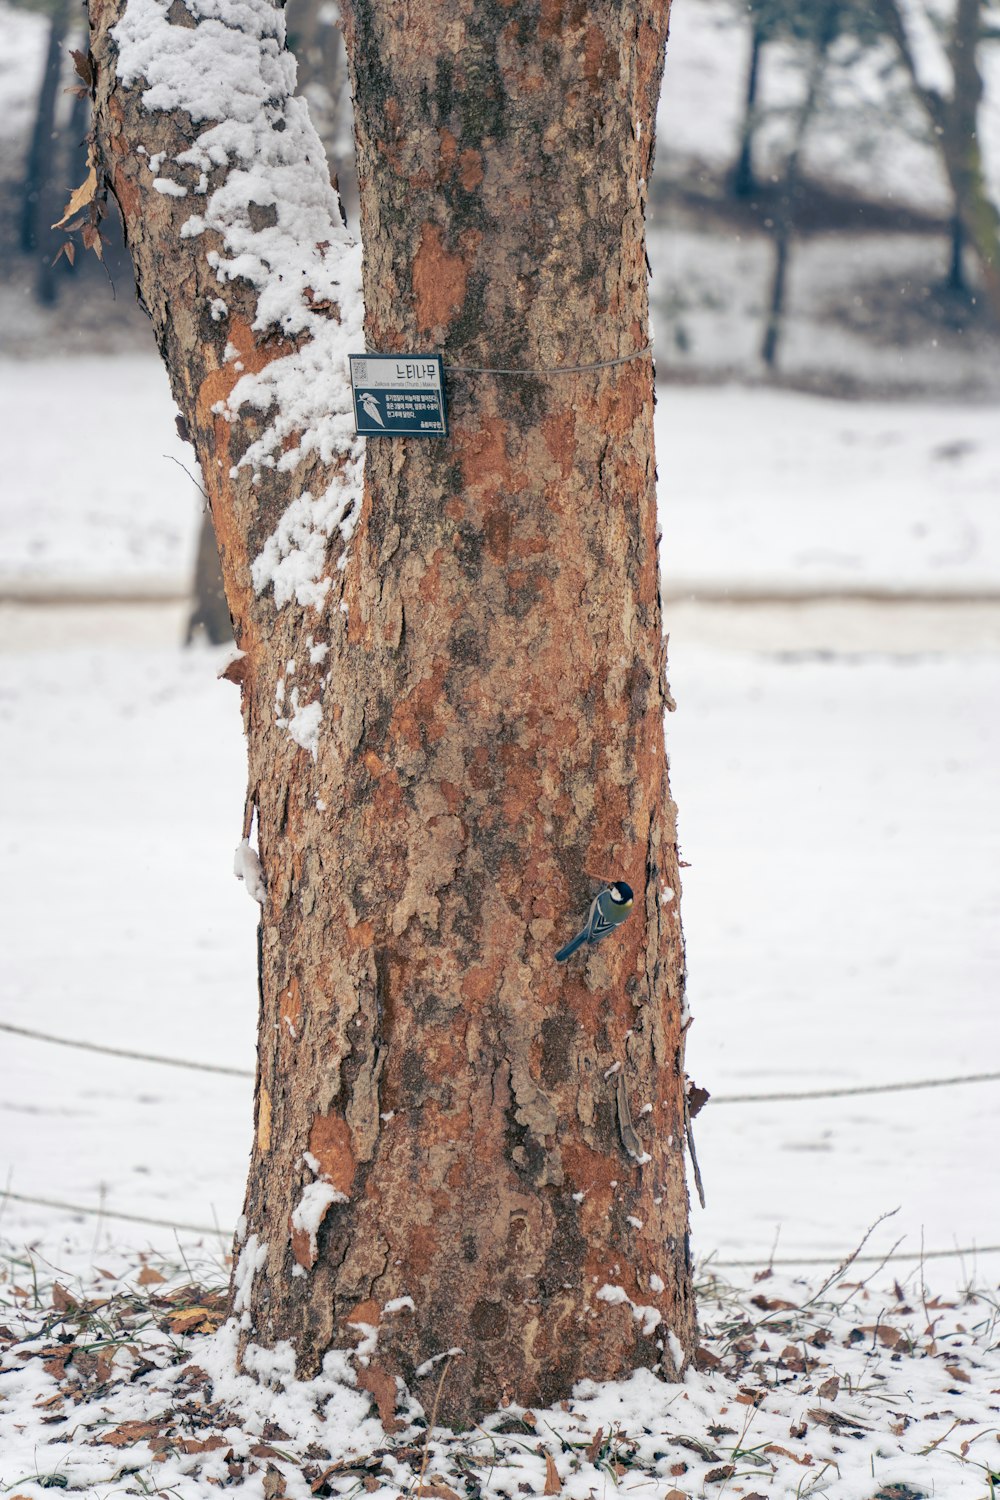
459,1144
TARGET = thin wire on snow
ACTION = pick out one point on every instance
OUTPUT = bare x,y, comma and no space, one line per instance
825,1260
105,1211
153,1057
861,1088
783,1097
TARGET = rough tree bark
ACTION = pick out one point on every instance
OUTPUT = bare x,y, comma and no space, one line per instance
455,722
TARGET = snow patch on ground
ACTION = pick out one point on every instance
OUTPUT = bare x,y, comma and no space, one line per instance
823,1386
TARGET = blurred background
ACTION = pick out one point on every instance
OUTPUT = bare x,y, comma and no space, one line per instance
828,438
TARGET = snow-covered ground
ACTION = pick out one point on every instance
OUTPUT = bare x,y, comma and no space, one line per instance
834,762
841,912
762,491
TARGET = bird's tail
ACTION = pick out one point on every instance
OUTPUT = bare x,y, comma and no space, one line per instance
571,947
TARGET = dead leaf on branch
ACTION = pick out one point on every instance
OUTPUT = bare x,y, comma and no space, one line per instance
82,66
92,240
697,1098
84,193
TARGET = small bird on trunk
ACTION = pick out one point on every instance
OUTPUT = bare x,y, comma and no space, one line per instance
608,910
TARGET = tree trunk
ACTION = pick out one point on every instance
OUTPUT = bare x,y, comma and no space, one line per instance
960,146
322,79
38,168
956,269
786,208
744,183
953,123
455,723
209,610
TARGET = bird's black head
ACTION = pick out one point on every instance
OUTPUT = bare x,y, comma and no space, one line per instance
621,893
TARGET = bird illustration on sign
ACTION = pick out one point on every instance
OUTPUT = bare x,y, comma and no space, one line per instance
370,404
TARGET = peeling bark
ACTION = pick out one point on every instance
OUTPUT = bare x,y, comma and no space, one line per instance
507,1134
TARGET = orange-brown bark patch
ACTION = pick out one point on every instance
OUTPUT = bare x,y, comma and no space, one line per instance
448,154
480,984
599,58
330,1143
558,16
422,1246
496,529
439,280
302,1247
453,795
611,826
483,456
624,400
369,1313
218,384
415,716
290,1005
380,1384
559,432
361,935
126,192
470,170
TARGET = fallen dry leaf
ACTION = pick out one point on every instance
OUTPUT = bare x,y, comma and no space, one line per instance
553,1484
805,1459
204,1445
274,1483
149,1276
957,1373
593,1448
194,1320
127,1433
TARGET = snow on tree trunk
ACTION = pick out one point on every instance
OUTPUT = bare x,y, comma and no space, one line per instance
453,675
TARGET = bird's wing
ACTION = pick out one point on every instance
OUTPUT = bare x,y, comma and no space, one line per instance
600,924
